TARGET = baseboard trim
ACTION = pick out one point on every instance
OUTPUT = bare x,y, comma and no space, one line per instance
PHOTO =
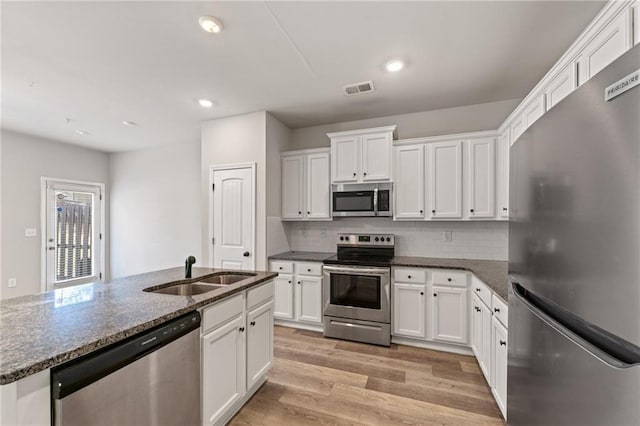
444,347
300,325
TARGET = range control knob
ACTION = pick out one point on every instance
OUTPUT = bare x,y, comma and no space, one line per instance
377,239
388,239
341,238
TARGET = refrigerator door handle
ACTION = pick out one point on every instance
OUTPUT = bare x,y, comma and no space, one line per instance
607,347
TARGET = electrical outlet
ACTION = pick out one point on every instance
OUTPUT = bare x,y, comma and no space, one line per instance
446,236
323,233
30,232
304,232
12,282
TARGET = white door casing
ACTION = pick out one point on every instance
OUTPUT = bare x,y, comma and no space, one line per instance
57,240
232,216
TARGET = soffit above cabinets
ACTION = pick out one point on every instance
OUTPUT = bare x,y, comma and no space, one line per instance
149,62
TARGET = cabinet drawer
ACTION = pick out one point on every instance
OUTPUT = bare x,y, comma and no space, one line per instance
500,310
407,275
453,278
258,295
481,290
309,268
222,312
283,267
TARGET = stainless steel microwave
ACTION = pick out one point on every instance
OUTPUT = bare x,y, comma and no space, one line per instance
358,200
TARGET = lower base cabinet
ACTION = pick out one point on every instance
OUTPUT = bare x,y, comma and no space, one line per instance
298,291
499,364
237,351
481,335
449,310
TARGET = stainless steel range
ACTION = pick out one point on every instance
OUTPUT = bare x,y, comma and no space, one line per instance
357,301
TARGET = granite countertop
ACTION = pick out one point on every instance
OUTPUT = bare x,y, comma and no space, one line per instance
492,272
302,256
44,330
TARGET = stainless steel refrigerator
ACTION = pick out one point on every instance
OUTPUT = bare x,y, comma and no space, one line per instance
574,258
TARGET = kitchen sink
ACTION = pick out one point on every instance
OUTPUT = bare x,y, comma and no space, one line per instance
225,279
190,289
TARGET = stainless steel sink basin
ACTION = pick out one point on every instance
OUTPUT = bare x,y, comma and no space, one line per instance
225,279
186,289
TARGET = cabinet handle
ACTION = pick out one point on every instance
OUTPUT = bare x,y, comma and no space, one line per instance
280,268
355,174
471,210
364,174
241,329
421,211
308,270
308,212
449,279
253,323
289,281
433,211
299,212
409,277
504,209
422,293
477,309
478,290
496,309
435,294
503,343
299,283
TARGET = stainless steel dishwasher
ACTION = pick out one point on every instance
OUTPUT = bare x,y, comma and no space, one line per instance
152,378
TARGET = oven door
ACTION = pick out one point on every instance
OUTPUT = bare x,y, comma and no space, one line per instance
354,203
357,292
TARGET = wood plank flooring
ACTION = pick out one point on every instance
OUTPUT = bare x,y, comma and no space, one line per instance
318,381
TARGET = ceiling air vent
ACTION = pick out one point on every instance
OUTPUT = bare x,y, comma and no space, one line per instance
359,88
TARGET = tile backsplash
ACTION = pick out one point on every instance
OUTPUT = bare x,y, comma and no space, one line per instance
469,240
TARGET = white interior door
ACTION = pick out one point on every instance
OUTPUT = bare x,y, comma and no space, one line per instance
72,216
233,217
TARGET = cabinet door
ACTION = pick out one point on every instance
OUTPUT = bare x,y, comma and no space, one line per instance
482,169
376,157
292,187
318,186
283,296
608,45
345,161
223,369
636,23
533,111
562,85
309,299
475,317
259,343
409,182
499,367
449,309
484,348
409,310
446,180
518,126
503,174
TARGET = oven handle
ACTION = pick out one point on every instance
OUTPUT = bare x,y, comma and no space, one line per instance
354,270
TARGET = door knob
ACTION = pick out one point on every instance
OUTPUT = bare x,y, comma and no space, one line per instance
246,254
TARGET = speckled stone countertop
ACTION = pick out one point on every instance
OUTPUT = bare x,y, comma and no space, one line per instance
302,256
44,330
491,272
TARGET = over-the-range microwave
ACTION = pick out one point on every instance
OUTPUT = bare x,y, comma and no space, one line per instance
359,200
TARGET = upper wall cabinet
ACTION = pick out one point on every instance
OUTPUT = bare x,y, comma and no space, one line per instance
445,166
481,177
503,174
409,178
533,111
606,46
362,155
561,85
518,126
305,185
636,23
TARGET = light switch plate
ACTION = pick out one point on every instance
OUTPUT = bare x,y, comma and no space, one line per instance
30,232
12,282
446,236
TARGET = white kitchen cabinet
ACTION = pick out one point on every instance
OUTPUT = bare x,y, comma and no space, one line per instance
481,335
318,186
292,186
518,126
409,303
481,178
223,369
503,173
409,182
309,298
283,296
499,365
298,294
611,42
636,23
534,111
445,166
450,315
362,155
305,185
259,343
565,82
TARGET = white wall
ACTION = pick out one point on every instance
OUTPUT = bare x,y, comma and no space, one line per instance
477,240
447,121
25,159
155,208
278,139
232,140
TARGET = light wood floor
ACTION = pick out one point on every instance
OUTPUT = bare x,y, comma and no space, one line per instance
333,382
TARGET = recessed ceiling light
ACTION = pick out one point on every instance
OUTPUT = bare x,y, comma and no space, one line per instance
206,103
129,123
81,132
210,24
394,65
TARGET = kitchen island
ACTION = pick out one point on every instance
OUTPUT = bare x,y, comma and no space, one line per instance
42,331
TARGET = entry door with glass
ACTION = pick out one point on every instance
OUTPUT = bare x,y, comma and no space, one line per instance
73,233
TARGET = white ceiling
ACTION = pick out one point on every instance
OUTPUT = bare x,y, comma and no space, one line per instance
99,63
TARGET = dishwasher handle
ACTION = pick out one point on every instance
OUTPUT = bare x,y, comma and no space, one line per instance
75,375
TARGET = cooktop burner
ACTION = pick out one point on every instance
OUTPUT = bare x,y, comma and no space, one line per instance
364,250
